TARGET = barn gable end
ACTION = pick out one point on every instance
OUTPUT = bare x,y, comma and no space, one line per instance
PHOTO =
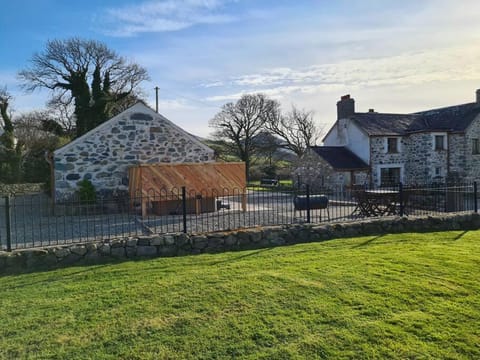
136,136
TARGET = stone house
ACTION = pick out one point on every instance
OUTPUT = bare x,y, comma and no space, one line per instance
103,155
326,166
426,147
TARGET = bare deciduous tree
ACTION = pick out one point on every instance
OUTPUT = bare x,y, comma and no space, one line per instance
87,72
40,133
297,129
64,114
238,123
37,129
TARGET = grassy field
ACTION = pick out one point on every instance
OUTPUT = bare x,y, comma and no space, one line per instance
411,296
282,184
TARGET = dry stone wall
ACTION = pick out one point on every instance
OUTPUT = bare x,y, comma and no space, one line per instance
183,244
15,189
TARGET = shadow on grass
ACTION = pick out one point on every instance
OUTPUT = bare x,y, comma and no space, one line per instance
51,279
368,242
237,258
459,236
453,238
86,266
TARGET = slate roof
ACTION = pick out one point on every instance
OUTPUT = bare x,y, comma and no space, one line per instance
383,124
453,118
340,158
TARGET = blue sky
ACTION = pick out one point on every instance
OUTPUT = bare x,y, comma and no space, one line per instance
389,55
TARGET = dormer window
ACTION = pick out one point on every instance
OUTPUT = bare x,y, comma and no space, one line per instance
392,145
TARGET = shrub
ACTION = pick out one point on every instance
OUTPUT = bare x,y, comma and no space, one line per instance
86,191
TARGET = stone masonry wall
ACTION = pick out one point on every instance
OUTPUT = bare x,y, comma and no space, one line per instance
136,136
316,172
460,167
472,161
313,170
420,160
379,155
183,244
419,147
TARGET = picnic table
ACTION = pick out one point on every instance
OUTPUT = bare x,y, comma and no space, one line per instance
377,202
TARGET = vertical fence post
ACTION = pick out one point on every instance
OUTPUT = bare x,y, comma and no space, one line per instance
475,197
308,203
184,208
8,222
401,200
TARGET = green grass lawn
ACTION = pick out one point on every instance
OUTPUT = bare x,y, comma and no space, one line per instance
408,296
282,184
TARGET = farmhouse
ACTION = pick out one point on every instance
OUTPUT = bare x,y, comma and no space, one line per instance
136,136
432,146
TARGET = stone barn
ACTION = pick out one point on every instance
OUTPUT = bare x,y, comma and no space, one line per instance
328,167
103,155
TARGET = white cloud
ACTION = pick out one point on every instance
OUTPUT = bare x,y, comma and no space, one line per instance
164,15
174,104
307,53
438,65
212,84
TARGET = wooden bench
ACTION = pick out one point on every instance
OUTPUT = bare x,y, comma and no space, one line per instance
269,182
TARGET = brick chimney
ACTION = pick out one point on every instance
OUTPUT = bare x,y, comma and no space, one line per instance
346,107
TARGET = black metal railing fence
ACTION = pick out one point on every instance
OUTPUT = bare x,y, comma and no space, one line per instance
28,221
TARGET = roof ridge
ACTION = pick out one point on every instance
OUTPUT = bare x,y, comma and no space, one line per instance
442,108
381,113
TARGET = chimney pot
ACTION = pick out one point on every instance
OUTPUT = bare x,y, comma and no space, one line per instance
371,110
478,96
